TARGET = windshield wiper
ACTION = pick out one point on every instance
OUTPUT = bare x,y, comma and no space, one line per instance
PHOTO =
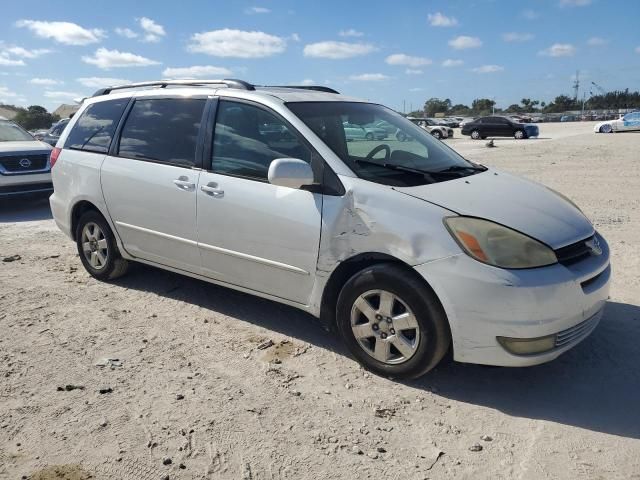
427,173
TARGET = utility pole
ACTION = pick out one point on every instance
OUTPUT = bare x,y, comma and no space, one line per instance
576,86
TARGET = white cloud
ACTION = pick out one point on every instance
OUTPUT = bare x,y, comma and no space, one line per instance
439,20
45,81
61,95
126,32
517,37
196,71
574,3
106,59
488,69
100,82
415,89
597,41
337,50
462,42
413,71
350,33
256,10
530,14
307,81
63,32
7,95
24,53
5,61
236,43
449,62
295,37
559,50
153,32
369,77
408,60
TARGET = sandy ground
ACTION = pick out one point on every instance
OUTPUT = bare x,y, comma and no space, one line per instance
192,385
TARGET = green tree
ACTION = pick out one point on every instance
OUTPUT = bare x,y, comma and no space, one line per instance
436,105
482,106
35,117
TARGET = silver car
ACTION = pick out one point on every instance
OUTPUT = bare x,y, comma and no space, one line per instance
405,248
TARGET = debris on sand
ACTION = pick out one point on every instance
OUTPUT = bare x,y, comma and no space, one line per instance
109,362
104,390
384,412
61,472
12,258
490,144
475,448
431,454
266,344
486,438
69,388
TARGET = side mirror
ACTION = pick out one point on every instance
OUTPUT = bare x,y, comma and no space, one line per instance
290,172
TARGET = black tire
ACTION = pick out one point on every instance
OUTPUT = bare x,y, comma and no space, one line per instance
475,134
434,334
436,134
401,136
114,266
369,136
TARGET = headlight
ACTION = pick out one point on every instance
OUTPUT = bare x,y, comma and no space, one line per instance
499,246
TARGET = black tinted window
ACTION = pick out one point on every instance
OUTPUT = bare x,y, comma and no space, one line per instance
247,139
94,129
164,129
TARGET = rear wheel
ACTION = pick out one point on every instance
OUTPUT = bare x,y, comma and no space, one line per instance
401,136
519,134
391,322
369,136
475,134
98,249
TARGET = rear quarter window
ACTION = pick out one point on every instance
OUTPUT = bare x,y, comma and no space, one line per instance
94,129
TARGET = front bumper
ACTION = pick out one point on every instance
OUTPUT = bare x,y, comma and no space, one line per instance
484,302
25,184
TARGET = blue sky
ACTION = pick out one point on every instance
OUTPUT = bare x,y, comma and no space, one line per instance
397,52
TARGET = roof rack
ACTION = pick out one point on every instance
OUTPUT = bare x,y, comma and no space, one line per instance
317,88
231,83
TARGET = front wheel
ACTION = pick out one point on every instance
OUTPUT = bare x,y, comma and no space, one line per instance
369,136
475,134
437,134
606,128
98,249
392,323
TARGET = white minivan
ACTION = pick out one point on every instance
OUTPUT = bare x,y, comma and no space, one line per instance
406,248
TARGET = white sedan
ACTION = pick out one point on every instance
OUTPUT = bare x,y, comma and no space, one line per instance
629,122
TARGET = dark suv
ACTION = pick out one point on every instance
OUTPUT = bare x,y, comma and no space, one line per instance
499,127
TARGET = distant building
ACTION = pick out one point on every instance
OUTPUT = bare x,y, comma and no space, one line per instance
7,113
64,110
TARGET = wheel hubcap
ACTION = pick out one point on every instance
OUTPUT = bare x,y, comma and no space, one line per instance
94,245
385,327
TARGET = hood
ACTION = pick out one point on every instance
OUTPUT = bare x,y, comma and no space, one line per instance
24,147
517,203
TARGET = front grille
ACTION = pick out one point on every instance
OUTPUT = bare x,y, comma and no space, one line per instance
24,163
574,253
577,332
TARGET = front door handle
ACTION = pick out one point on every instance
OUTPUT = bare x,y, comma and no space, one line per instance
212,189
183,183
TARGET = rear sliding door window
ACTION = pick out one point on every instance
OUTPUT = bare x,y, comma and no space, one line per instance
94,129
163,130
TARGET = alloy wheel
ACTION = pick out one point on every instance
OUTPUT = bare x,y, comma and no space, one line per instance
385,327
94,246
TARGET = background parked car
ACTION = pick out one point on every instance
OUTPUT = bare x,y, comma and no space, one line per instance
430,125
499,127
53,134
629,122
24,162
358,132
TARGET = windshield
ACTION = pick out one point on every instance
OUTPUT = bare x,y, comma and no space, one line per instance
10,132
396,152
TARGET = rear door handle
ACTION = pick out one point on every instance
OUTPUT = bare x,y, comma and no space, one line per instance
183,183
212,189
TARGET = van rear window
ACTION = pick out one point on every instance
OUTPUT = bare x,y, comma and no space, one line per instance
94,129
